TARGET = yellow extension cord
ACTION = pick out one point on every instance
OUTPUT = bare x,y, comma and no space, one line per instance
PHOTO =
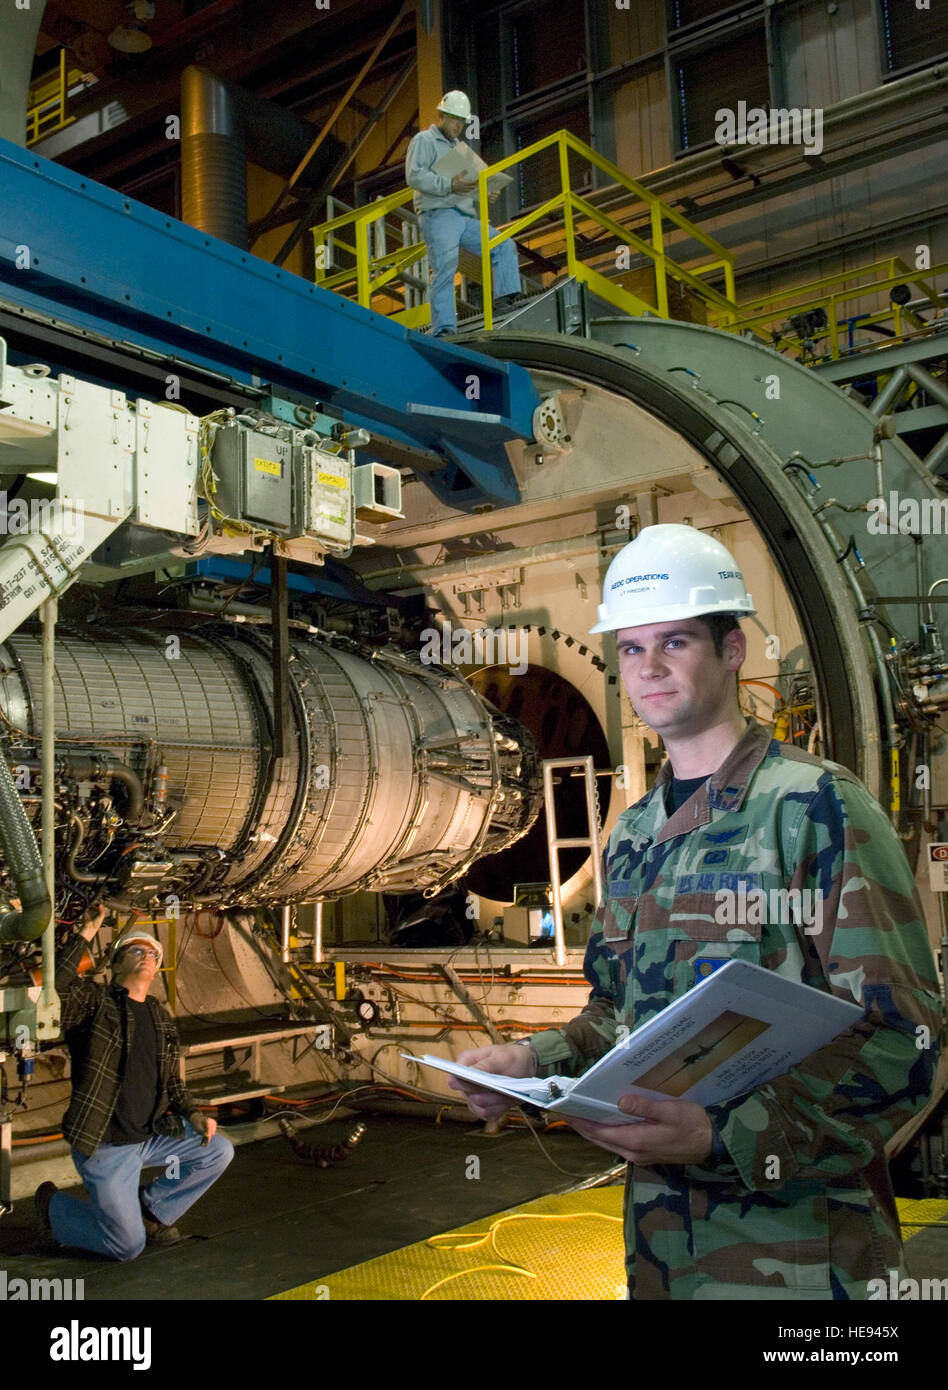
470,1240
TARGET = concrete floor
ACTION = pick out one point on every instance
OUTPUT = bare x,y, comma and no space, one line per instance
273,1222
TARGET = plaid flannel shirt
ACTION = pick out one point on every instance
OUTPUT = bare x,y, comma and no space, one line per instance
96,1024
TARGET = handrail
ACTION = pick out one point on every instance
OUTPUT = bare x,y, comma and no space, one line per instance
370,274
799,299
47,110
570,202
901,270
830,293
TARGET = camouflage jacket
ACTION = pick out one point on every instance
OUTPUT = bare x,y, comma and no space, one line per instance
795,1200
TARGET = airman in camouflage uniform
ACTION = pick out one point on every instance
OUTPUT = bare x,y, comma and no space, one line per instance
795,1202
782,1193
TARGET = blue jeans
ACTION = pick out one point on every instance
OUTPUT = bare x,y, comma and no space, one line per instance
445,230
110,1223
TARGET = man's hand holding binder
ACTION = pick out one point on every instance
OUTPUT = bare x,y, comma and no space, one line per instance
508,1059
674,1131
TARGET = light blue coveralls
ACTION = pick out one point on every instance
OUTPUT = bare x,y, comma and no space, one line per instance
449,221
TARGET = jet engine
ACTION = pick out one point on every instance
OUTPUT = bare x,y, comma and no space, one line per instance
397,775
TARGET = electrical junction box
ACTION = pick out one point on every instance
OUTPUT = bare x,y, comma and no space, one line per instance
378,492
324,496
254,477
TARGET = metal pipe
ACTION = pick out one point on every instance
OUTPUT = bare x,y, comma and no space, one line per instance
925,754
48,1000
935,388
213,161
221,125
891,392
318,932
937,456
473,565
286,926
75,846
880,485
89,767
19,49
936,635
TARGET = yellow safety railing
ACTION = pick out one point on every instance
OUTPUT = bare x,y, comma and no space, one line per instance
832,293
46,112
370,274
571,205
767,314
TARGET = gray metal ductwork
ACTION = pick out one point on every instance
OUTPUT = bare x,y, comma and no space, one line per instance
221,128
20,31
213,158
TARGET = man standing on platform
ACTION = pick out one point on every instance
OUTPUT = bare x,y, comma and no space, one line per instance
448,216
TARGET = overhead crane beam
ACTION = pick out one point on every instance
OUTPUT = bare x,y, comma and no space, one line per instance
79,252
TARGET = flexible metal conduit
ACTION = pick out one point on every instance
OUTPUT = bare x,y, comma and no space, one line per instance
21,853
17,840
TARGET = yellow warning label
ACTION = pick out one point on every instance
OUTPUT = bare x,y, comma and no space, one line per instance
268,466
332,479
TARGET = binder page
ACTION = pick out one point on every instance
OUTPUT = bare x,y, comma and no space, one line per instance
732,1032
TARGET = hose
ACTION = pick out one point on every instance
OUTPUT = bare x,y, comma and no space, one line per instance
79,875
312,1153
22,857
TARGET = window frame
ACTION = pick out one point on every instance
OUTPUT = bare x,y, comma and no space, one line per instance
703,42
892,74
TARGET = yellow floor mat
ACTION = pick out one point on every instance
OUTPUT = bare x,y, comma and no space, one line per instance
570,1243
576,1255
927,1211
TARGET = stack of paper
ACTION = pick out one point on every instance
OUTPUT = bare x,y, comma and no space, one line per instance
463,160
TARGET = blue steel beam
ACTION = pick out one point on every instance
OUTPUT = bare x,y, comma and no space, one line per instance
72,248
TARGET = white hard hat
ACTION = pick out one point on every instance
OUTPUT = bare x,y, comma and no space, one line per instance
129,937
671,572
456,104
